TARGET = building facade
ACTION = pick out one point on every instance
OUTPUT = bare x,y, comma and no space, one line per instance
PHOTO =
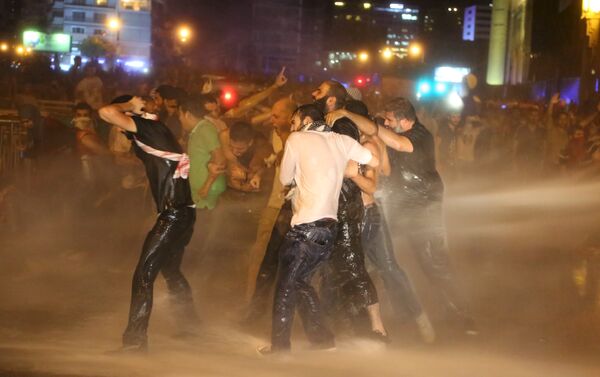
124,23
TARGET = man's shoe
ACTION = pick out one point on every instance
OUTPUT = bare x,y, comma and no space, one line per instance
425,328
130,349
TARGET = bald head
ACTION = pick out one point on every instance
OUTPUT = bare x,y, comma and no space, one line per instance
281,114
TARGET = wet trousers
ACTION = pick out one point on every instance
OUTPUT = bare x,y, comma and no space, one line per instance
423,227
378,247
267,271
162,252
305,247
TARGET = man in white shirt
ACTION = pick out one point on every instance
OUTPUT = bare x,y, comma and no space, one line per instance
314,160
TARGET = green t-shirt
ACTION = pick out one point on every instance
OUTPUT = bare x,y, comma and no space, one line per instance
203,140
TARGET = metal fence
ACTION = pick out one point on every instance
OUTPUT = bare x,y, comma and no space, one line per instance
12,139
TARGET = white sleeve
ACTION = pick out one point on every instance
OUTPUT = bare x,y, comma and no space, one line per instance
287,169
357,152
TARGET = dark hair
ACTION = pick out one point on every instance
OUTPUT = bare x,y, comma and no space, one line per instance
122,99
193,105
338,91
165,91
241,131
207,98
402,109
309,110
345,126
357,107
82,106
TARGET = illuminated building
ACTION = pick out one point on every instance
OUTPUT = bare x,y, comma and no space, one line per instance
125,23
374,25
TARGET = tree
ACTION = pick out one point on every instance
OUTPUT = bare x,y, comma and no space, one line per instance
95,47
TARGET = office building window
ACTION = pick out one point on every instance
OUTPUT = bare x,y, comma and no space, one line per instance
100,18
79,16
77,30
136,5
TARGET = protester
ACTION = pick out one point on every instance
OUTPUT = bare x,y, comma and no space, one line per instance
167,171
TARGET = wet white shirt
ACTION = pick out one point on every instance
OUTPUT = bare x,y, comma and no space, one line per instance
316,161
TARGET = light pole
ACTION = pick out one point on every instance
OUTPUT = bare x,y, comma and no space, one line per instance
114,24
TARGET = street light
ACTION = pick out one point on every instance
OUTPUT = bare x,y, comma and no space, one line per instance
387,53
114,24
20,50
4,47
184,33
363,56
415,50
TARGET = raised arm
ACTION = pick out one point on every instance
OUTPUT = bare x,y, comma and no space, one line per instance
256,99
115,113
394,140
365,125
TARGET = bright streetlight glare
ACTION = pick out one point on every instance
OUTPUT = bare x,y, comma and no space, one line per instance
184,33
4,46
415,50
363,56
114,23
367,5
20,50
387,53
591,6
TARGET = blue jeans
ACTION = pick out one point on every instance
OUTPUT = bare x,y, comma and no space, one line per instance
305,247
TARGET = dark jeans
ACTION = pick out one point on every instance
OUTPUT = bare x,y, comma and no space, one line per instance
305,247
268,267
378,247
162,251
423,227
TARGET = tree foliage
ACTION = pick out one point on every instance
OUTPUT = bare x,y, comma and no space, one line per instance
96,47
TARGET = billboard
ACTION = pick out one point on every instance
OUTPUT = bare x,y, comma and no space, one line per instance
55,42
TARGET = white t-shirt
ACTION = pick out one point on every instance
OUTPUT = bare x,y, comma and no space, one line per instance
316,161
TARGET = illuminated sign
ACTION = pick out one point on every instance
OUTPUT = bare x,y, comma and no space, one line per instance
451,74
56,42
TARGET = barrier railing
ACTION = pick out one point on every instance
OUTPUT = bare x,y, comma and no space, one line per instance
13,137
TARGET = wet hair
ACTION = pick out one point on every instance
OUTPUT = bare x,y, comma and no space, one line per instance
82,106
357,107
241,131
345,126
402,109
309,110
338,91
122,99
193,105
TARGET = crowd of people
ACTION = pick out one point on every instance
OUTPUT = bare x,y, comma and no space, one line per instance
343,162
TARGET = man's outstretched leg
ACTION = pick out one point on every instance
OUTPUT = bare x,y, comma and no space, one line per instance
170,227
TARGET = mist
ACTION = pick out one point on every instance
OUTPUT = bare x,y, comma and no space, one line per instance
517,248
